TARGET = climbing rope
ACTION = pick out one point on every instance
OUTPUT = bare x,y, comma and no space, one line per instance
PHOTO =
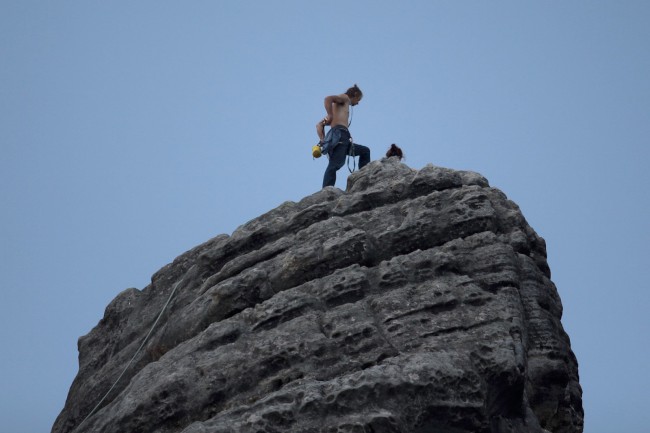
351,115
351,154
92,412
351,149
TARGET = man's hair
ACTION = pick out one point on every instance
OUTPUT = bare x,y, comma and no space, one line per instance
354,91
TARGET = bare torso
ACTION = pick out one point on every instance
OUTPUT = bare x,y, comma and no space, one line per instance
338,111
341,112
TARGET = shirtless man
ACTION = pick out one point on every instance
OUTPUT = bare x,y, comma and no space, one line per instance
338,142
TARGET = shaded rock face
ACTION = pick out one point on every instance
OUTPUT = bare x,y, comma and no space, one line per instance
416,301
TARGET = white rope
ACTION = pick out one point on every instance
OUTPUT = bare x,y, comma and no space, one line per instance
92,412
351,115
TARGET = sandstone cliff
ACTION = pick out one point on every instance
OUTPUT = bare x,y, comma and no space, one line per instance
416,301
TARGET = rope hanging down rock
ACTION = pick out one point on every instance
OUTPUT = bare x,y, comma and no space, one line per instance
92,412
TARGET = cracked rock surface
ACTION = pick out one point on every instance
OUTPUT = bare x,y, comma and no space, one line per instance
415,301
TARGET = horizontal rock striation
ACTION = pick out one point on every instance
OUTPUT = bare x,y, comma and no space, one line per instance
416,301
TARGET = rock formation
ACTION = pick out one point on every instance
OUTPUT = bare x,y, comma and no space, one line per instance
416,301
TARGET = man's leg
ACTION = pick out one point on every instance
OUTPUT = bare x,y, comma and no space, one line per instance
364,154
337,159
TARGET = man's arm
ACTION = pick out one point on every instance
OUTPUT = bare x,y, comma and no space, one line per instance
334,99
320,128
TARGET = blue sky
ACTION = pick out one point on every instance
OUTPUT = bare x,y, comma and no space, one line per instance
132,131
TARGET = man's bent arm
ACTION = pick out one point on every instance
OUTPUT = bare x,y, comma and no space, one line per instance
320,127
320,130
334,99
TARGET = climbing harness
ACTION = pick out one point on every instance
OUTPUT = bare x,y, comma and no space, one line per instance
92,412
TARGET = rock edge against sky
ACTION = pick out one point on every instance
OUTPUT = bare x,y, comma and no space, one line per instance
415,301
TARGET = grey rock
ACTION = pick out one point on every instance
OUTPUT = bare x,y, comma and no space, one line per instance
416,301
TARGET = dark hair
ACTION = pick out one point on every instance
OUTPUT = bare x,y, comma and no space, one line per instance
395,151
354,91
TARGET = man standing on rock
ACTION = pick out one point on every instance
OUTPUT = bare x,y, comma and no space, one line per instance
337,144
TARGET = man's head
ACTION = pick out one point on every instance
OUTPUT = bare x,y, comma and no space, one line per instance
355,94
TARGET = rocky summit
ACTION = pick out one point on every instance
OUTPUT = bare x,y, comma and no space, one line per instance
415,301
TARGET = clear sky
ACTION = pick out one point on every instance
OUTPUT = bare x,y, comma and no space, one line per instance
131,132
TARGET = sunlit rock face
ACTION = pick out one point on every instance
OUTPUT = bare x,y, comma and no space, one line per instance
415,301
